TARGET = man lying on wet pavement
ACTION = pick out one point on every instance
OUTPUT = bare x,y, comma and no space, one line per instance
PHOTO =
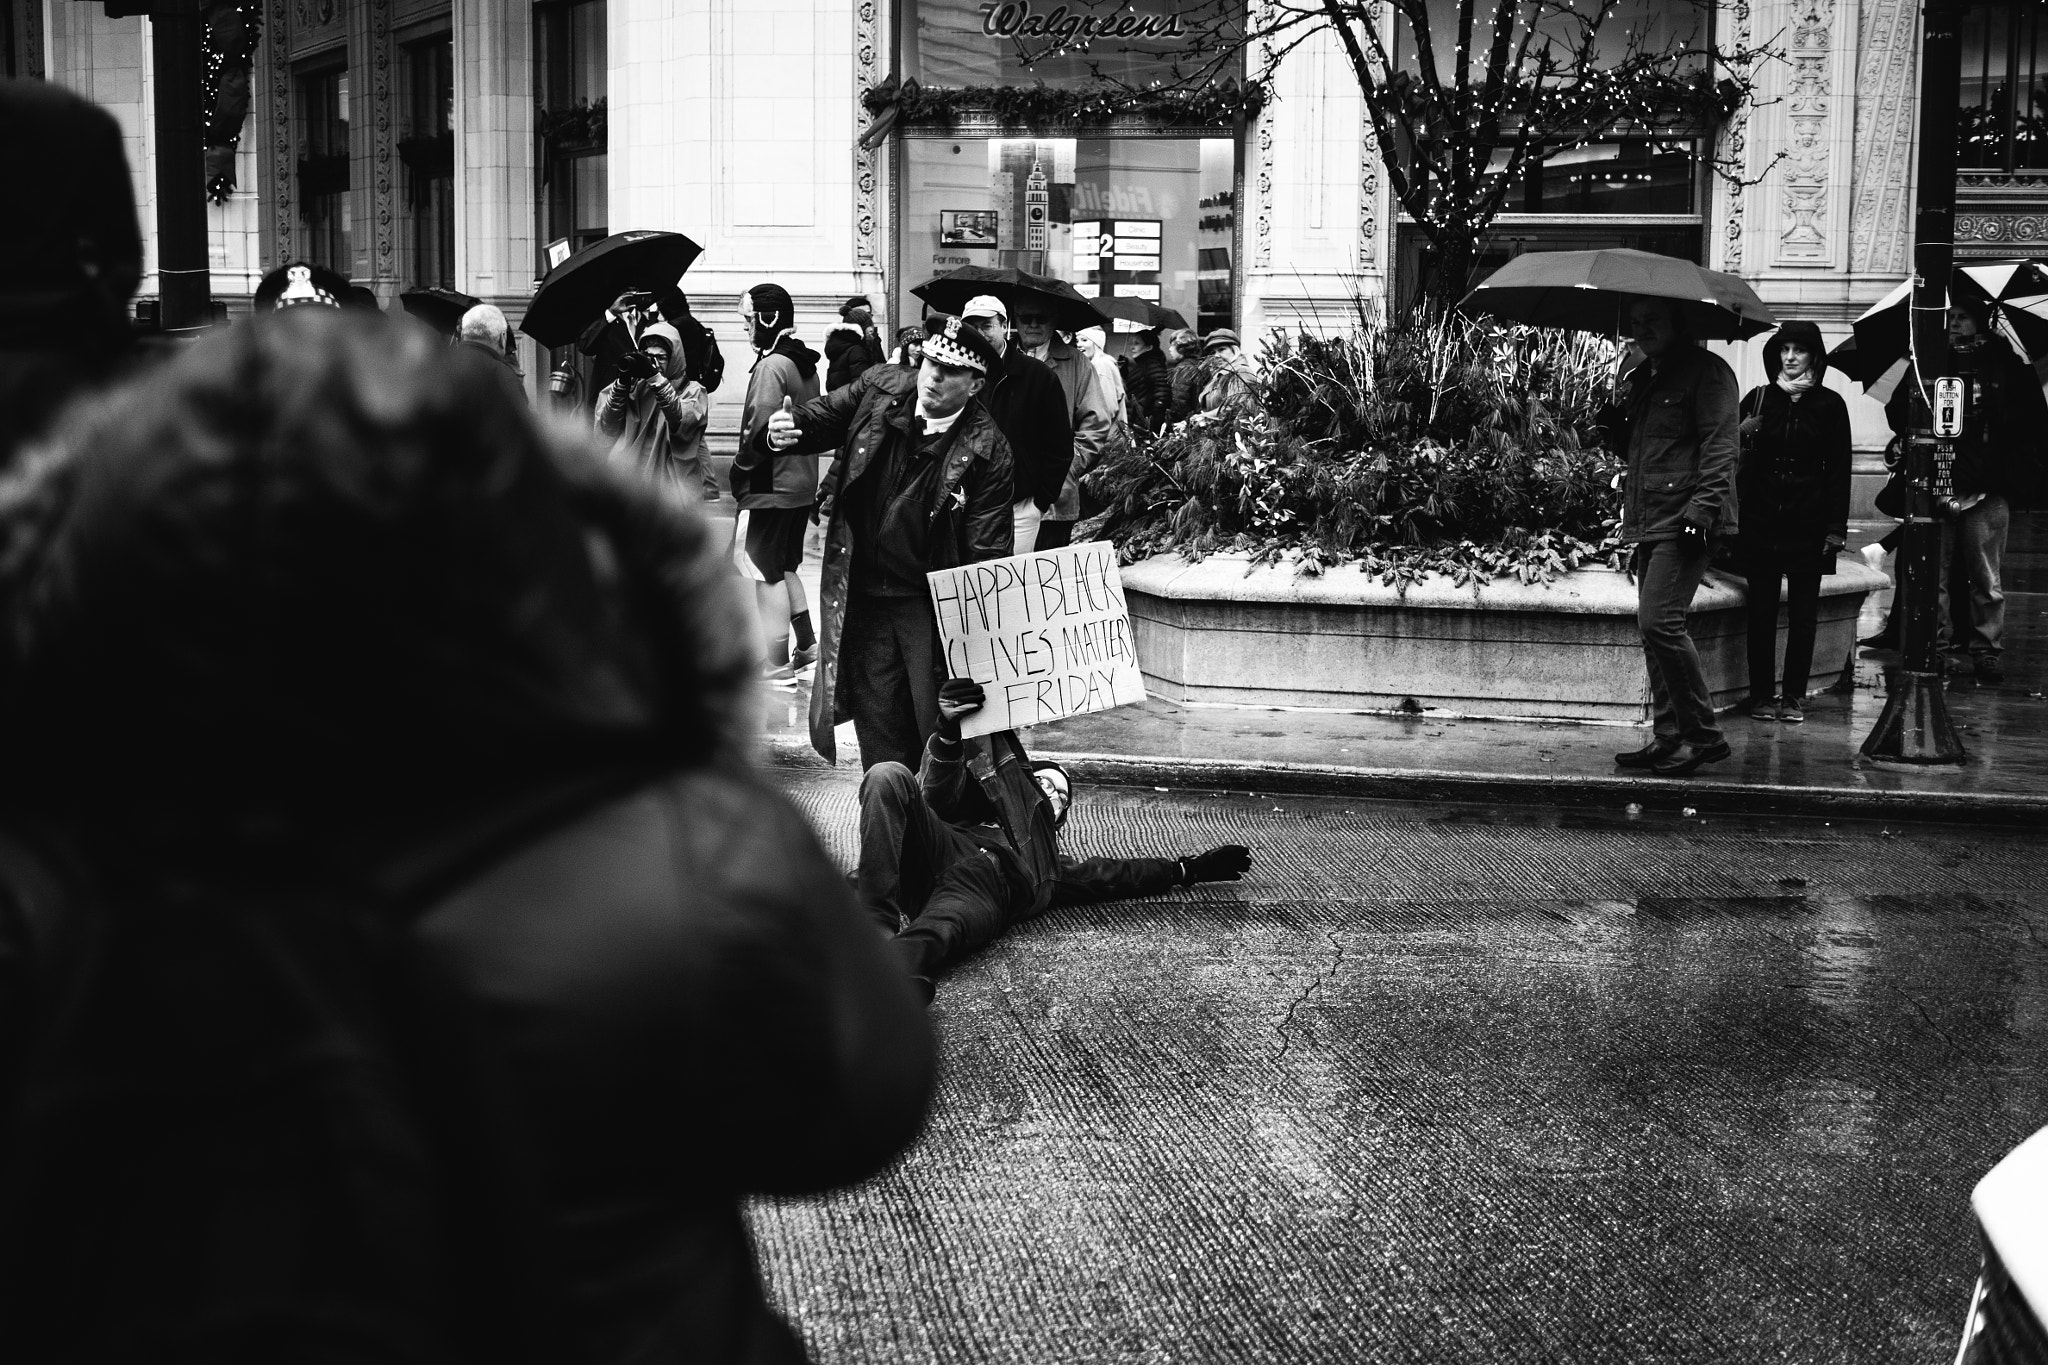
953,856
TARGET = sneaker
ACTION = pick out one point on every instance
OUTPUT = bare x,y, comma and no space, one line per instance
1988,669
803,658
1790,712
1761,708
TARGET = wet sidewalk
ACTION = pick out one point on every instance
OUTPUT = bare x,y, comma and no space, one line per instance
1811,768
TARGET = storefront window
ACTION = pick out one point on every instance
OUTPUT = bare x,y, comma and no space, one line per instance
323,169
1141,217
428,149
2005,49
570,39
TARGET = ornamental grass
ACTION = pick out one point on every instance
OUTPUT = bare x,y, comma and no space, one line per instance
1440,445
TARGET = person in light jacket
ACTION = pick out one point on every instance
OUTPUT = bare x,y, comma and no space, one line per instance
656,416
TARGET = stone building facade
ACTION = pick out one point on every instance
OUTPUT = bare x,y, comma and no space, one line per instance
467,142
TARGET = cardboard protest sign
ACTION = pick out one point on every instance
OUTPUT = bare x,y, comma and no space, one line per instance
1046,635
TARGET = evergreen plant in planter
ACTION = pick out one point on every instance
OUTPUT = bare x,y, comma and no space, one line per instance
1404,517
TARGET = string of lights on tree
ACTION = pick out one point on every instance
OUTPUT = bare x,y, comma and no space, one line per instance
231,37
1040,105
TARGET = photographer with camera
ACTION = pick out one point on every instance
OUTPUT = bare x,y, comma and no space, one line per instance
656,411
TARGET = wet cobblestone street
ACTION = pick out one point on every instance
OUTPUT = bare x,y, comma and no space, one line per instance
1450,1084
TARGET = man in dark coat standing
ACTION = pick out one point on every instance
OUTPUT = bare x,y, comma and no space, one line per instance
921,482
1680,419
1031,410
970,845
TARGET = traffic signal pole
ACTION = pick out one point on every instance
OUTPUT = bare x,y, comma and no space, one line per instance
1915,726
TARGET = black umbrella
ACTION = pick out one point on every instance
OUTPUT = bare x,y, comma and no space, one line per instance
575,293
1587,291
441,309
1142,311
2013,294
1062,304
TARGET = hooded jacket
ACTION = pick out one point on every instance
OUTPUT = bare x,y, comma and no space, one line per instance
967,520
1151,389
789,369
659,433
1793,482
849,350
447,728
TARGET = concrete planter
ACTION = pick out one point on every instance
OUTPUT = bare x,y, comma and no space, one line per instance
1568,650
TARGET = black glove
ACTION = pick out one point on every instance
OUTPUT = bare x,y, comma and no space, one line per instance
959,698
1692,535
636,365
1226,863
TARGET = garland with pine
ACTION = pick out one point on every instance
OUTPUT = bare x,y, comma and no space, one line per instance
1038,106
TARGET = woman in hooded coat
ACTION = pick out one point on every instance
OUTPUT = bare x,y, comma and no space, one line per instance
657,422
450,976
1793,489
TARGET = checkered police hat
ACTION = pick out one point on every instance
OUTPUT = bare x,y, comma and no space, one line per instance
950,342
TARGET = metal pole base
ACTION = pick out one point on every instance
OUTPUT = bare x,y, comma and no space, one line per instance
1914,726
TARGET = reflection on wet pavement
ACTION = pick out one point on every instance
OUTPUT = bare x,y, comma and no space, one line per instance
1443,1084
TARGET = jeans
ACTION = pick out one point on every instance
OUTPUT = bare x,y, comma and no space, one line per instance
1668,573
1024,519
914,866
889,658
1978,536
1802,611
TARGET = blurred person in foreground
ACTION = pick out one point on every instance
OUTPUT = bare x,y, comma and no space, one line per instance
655,415
70,253
775,496
1679,429
1793,487
955,854
453,976
922,482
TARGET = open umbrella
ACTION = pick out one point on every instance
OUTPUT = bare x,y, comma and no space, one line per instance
2014,294
575,293
1062,304
1587,291
1144,312
441,309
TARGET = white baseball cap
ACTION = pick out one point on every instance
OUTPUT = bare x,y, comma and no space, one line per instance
985,306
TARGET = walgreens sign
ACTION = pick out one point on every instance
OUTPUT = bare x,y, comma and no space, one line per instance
1023,19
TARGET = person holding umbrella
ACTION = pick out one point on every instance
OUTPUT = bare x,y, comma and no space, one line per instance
1680,422
1793,488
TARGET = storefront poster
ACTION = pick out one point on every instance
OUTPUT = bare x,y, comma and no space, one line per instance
1047,635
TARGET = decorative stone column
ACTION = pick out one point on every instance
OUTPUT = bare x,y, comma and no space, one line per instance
494,152
1887,81
373,147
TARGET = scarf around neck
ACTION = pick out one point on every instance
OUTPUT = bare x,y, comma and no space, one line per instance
1798,386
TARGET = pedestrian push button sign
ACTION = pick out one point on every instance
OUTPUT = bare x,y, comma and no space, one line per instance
1047,635
1948,408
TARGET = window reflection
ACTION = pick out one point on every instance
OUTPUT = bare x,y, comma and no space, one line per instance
2003,97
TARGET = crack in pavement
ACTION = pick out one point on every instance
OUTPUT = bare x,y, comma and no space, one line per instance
1315,982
